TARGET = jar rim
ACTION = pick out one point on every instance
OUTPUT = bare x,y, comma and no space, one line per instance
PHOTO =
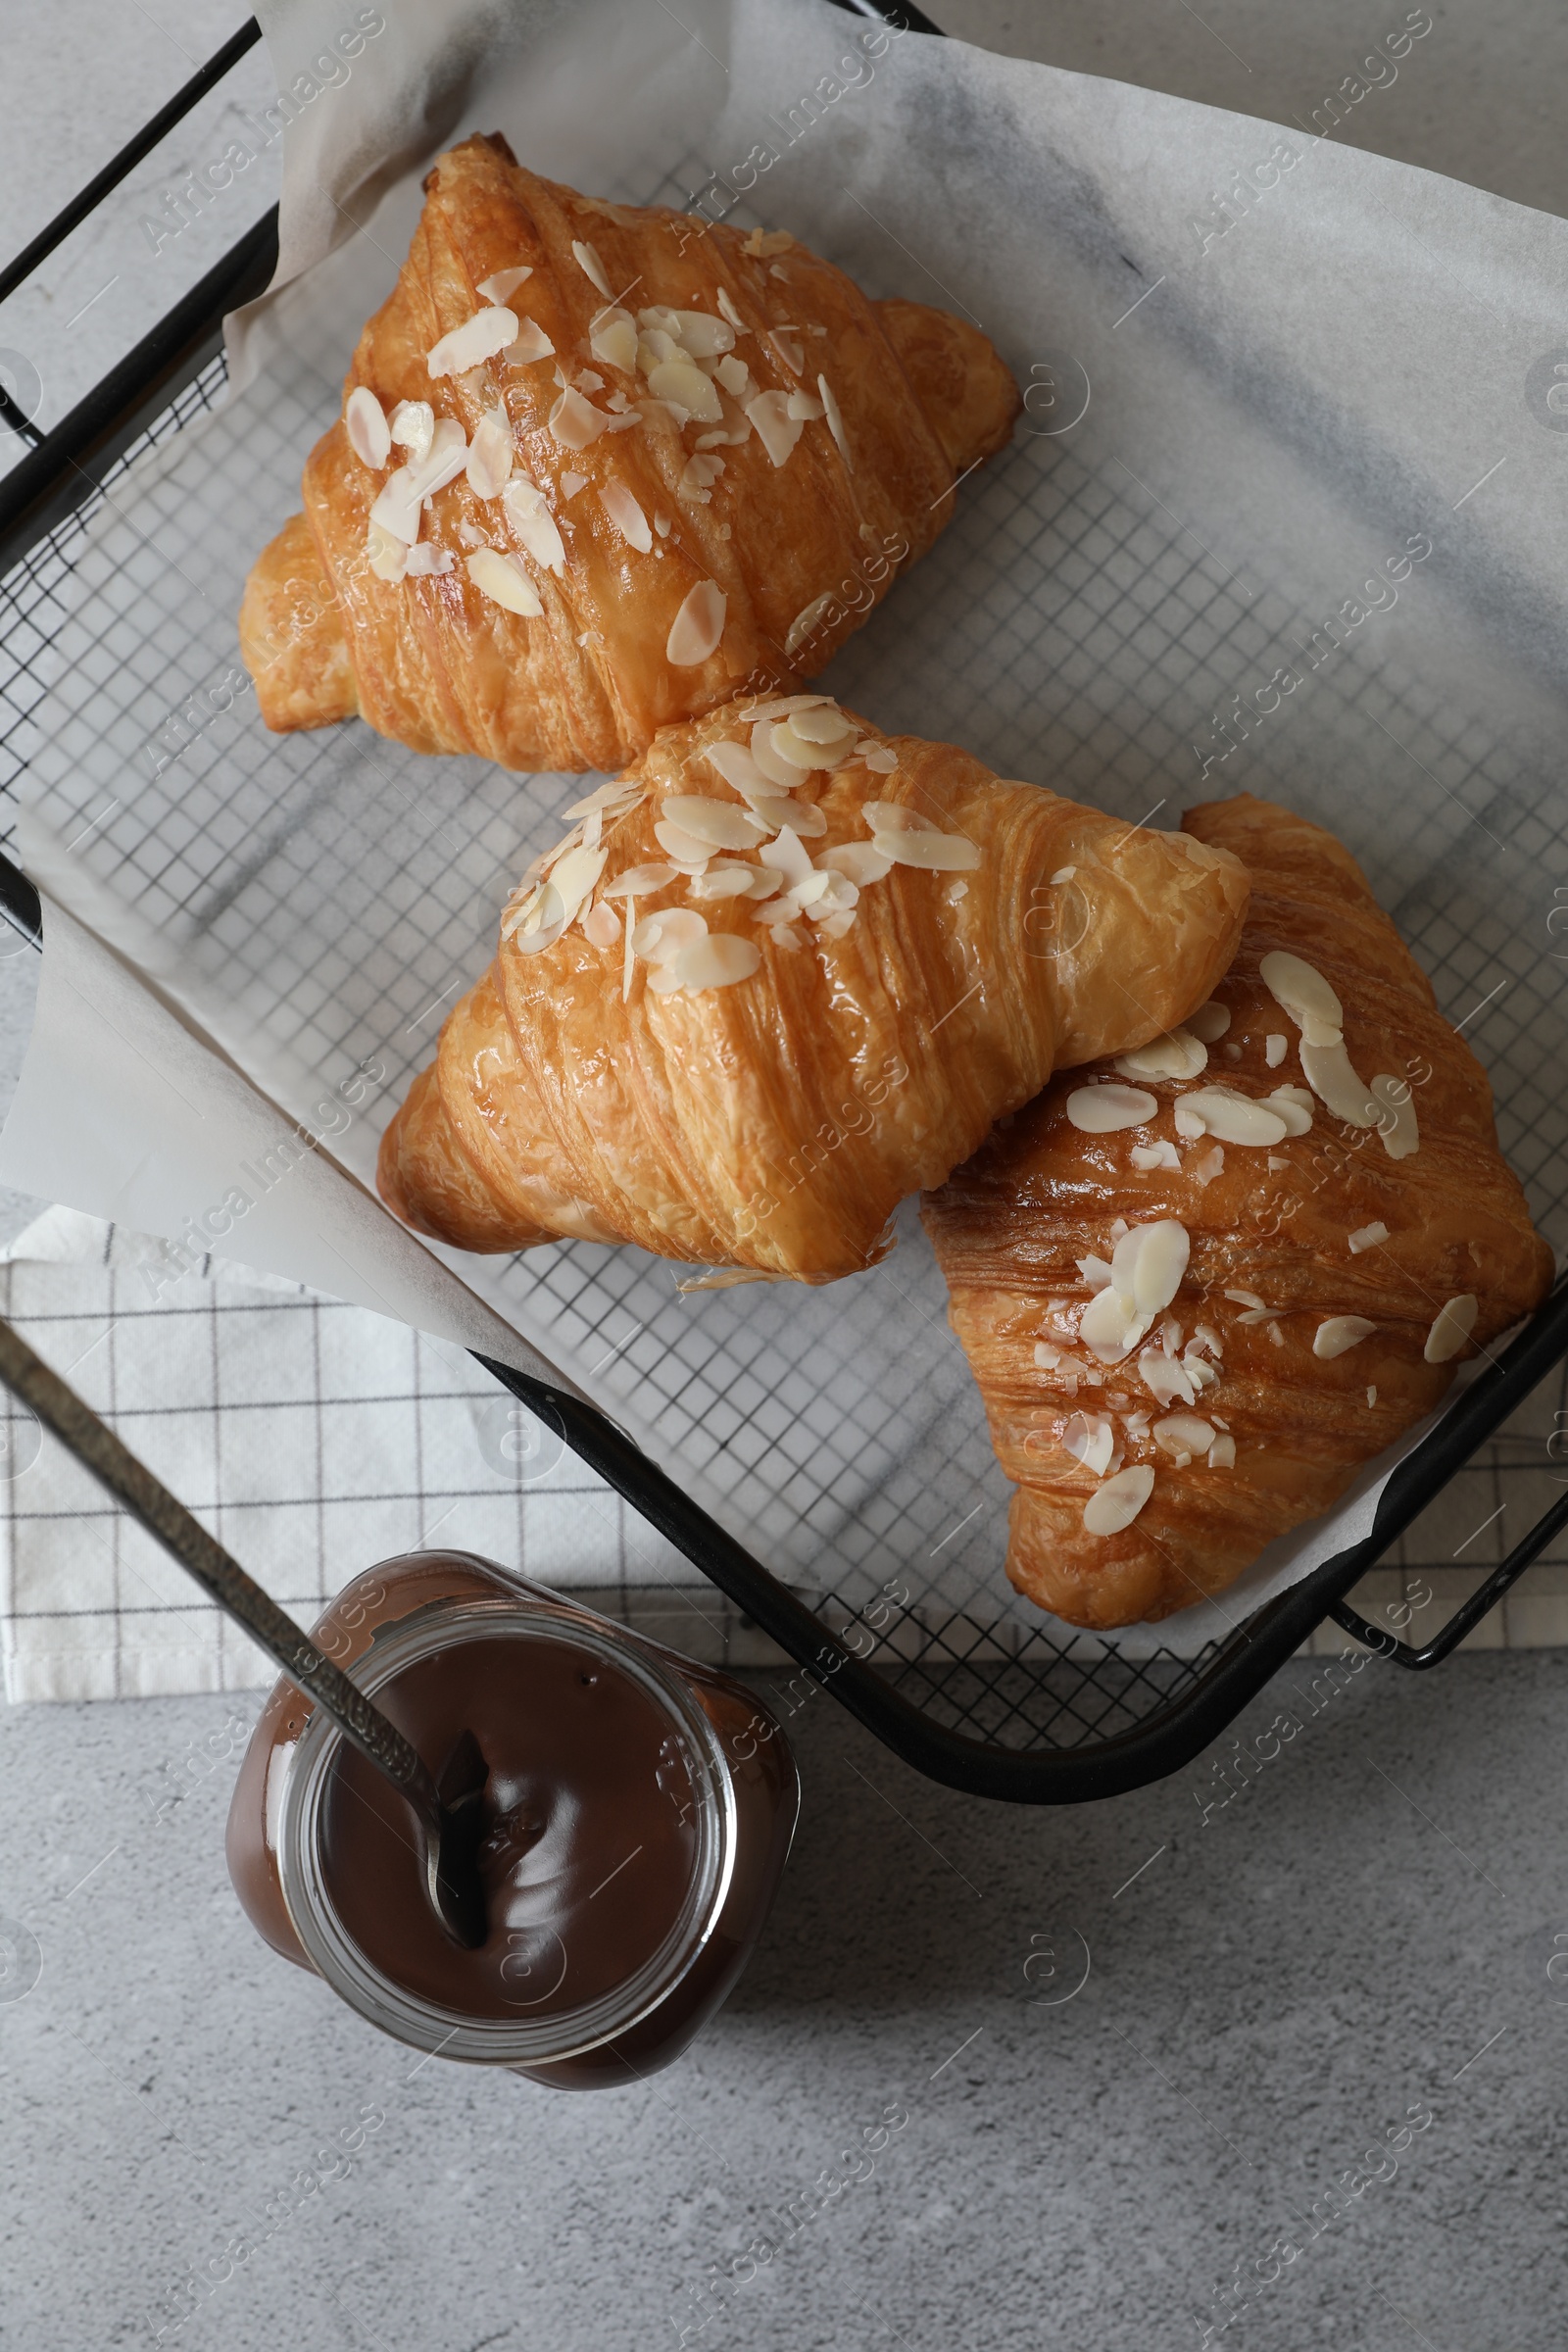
412,2017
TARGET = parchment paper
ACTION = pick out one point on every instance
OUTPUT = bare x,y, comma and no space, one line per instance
1284,516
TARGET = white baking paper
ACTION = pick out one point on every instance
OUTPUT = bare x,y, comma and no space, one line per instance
1286,513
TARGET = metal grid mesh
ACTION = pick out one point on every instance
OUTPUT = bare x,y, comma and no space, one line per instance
331,894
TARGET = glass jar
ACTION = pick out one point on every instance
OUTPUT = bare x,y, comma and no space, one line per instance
641,1810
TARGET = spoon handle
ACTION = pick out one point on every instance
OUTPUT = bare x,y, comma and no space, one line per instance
221,1578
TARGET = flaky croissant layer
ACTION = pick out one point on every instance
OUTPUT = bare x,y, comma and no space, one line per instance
595,471
1202,1283
785,972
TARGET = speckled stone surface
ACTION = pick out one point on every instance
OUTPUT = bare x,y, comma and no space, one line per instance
1360,1941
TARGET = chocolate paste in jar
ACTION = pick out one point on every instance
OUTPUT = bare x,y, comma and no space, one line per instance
593,1825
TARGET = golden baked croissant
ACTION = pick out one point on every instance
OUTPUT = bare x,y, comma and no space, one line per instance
1198,1295
785,972
641,467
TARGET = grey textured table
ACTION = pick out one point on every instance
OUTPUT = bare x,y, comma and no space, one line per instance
1355,1943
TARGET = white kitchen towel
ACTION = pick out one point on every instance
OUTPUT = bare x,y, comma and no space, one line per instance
311,1438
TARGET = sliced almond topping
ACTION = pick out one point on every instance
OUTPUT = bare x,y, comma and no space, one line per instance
1210,1022
1182,1435
490,454
1105,1109
717,824
627,516
385,553
1248,1298
1155,1155
789,858
531,344
716,962
660,937
1116,1503
735,377
703,336
1396,1121
777,429
697,477
861,860
881,758
835,422
574,422
805,620
428,561
602,926
1367,1236
690,854
1328,1072
696,631
1301,991
613,338
802,407
592,267
1222,1453
413,428
504,581
1168,1381
523,505
1451,1326
1275,1048
1046,1359
1091,1439
1178,1053
1233,1118
723,880
370,434
502,284
638,880
1294,1104
571,483
931,852
790,350
726,303
482,337
682,384
1208,1164
1340,1333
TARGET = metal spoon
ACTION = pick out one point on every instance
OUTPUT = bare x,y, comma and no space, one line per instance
449,1811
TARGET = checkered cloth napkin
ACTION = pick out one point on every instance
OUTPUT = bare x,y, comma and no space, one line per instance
311,1438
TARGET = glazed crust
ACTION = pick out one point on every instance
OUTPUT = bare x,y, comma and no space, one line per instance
775,1124
1010,1227
436,665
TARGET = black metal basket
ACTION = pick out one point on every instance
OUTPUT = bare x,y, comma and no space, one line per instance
1033,1718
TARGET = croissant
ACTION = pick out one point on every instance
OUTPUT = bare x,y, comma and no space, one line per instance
1197,1298
784,973
641,465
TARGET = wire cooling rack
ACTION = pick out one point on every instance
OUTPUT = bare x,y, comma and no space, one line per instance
329,894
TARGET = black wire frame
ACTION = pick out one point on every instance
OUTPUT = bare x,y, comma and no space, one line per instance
1164,1711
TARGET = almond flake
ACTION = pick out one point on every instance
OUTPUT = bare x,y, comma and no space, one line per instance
1396,1122
726,304
1338,1334
523,505
777,430
428,561
1301,991
735,377
571,483
1294,1104
502,579
716,962
790,350
627,516
502,284
690,854
682,384
385,553
723,880
638,880
1155,1155
1367,1236
862,861
482,337
931,852
1175,1054
1107,1109
532,343
1090,1438
602,926
1328,1072
716,824
574,422
490,454
1210,1022
414,427
592,267
805,620
697,628
1275,1048
804,409
882,759
1116,1503
1222,1453
613,338
835,422
370,434
1451,1326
